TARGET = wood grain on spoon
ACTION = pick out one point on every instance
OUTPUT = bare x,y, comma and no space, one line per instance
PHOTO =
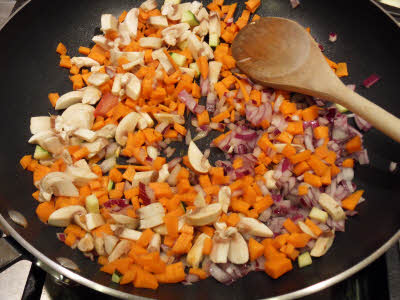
280,53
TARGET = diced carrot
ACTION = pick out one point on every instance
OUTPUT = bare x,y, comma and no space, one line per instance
173,273
321,132
44,210
183,244
115,175
295,128
180,129
317,165
53,97
312,179
61,49
256,249
252,5
25,161
199,272
301,156
302,190
310,113
314,227
291,226
300,168
287,107
348,163
203,118
81,153
299,240
351,201
145,279
354,145
221,116
207,246
145,238
171,223
341,70
284,137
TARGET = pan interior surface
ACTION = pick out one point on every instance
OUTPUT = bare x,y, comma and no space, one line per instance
369,44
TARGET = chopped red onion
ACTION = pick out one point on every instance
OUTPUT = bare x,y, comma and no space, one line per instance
143,194
204,86
108,164
174,162
371,80
162,127
119,203
220,274
332,37
61,236
361,123
188,99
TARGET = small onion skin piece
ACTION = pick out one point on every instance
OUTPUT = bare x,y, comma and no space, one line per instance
18,218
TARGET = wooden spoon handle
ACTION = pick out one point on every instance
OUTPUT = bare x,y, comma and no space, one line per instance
372,113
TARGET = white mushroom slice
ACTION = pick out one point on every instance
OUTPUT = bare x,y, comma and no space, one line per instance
204,216
169,118
85,134
86,243
82,163
155,243
238,250
96,146
146,117
143,177
66,156
131,22
99,245
68,99
129,66
149,5
195,255
202,15
270,181
200,201
150,210
152,152
173,177
224,198
220,248
130,234
197,160
80,220
122,248
58,184
101,41
109,243
254,227
214,70
161,229
173,34
202,29
108,23
131,56
79,116
158,21
80,176
129,222
127,124
150,42
322,244
48,140
133,88
94,220
195,7
195,46
303,226
39,124
97,79
151,221
188,71
62,217
214,28
116,88
206,51
332,207
107,131
164,61
83,61
91,95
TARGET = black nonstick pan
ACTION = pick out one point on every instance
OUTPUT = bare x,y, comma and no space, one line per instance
367,40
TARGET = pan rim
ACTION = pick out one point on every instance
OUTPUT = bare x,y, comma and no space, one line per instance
123,295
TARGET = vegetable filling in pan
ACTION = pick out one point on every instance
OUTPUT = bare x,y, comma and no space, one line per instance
104,170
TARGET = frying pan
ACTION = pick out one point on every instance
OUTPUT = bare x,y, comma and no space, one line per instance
367,40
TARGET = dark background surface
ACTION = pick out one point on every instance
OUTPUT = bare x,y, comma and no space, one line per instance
367,41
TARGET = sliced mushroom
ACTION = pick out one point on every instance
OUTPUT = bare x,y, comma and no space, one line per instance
62,217
108,23
202,29
238,250
94,220
98,79
173,177
69,99
155,243
270,181
204,216
332,207
96,146
143,177
83,61
306,229
254,227
57,183
107,131
121,249
173,34
161,229
224,197
202,15
109,243
194,45
195,255
164,61
145,121
197,160
163,174
133,87
85,134
220,245
79,116
128,234
86,243
101,41
80,220
80,176
91,95
127,124
169,118
200,201
322,244
150,42
39,124
127,221
99,245
48,140
131,21
149,5
151,221
158,21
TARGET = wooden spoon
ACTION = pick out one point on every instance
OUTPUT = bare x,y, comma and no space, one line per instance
280,53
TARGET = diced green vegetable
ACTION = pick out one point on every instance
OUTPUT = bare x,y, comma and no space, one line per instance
195,67
304,260
110,185
182,45
92,204
341,108
189,17
318,214
40,153
179,59
116,276
213,40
